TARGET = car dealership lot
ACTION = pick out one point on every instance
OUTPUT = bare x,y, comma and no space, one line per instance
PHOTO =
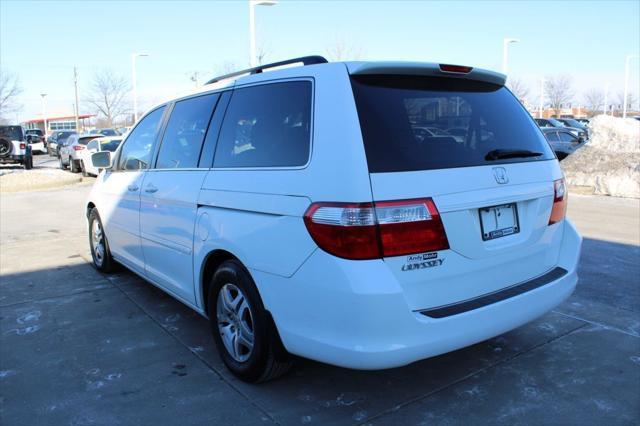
77,347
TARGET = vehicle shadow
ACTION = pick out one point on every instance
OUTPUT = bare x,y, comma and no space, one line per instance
78,320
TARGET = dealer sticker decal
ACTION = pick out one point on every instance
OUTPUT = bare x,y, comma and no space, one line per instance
422,261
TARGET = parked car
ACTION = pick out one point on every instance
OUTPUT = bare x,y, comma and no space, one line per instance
69,151
14,148
105,132
422,133
327,230
35,138
55,140
563,141
123,130
580,133
584,121
96,145
572,122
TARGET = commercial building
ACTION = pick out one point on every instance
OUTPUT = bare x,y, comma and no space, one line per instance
61,122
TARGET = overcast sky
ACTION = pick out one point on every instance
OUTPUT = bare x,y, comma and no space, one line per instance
42,41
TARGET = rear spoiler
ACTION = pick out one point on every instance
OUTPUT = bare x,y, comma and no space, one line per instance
426,69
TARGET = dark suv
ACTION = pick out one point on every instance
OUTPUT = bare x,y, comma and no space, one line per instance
14,149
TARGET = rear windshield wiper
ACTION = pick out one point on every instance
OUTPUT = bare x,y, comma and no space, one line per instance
499,154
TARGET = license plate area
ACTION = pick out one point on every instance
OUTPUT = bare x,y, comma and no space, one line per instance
499,221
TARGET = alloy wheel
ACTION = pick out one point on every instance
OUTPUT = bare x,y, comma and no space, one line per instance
235,322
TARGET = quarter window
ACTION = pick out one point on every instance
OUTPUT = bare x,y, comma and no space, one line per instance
137,150
182,140
266,126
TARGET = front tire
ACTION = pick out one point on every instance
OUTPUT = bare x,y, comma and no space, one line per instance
62,166
243,331
100,253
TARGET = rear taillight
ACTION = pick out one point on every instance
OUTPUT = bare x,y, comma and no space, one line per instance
23,146
78,147
559,208
375,230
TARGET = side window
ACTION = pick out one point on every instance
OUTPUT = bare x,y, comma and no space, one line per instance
552,136
566,137
266,126
137,150
182,140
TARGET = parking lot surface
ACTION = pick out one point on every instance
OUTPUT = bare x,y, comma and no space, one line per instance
78,347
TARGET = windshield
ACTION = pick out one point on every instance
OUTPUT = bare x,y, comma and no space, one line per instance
111,145
573,123
13,133
482,121
34,132
108,132
556,123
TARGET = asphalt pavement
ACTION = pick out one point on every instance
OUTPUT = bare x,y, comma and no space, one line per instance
79,347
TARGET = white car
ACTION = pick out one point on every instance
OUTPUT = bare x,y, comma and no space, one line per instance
106,143
297,211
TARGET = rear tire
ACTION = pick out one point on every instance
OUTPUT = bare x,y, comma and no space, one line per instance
28,163
242,315
73,165
84,171
61,164
100,253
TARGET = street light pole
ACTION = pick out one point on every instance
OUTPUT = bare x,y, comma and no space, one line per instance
626,83
44,113
134,84
606,97
505,52
541,98
252,28
77,107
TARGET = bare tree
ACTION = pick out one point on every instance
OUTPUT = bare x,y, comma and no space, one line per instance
10,89
593,100
558,89
108,94
340,50
519,88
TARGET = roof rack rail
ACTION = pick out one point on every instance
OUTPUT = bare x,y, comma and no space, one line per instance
304,60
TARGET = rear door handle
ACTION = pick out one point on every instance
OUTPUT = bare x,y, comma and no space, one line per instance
133,188
150,189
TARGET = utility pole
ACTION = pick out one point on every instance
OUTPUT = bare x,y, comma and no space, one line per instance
75,84
44,113
606,98
541,98
195,77
626,83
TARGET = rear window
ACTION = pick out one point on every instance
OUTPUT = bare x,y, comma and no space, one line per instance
86,139
11,132
423,123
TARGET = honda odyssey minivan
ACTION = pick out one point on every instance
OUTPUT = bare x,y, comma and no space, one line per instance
297,209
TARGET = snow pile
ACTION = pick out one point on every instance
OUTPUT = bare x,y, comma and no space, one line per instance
610,162
29,180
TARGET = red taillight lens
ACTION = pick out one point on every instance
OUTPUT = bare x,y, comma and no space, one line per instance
375,230
559,208
460,69
78,147
23,146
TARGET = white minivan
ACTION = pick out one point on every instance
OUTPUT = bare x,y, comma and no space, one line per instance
300,211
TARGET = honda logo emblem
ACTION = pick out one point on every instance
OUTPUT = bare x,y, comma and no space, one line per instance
500,174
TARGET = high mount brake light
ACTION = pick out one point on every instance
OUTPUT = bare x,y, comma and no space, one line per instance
459,69
376,230
559,209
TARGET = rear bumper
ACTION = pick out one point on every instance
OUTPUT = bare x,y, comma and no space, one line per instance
16,158
355,315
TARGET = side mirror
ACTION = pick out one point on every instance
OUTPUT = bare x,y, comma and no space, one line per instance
101,160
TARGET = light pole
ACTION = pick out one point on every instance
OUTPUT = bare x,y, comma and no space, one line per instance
252,27
505,52
541,98
44,113
606,97
133,84
626,83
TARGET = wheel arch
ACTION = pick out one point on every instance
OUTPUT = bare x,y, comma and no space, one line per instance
211,262
90,206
